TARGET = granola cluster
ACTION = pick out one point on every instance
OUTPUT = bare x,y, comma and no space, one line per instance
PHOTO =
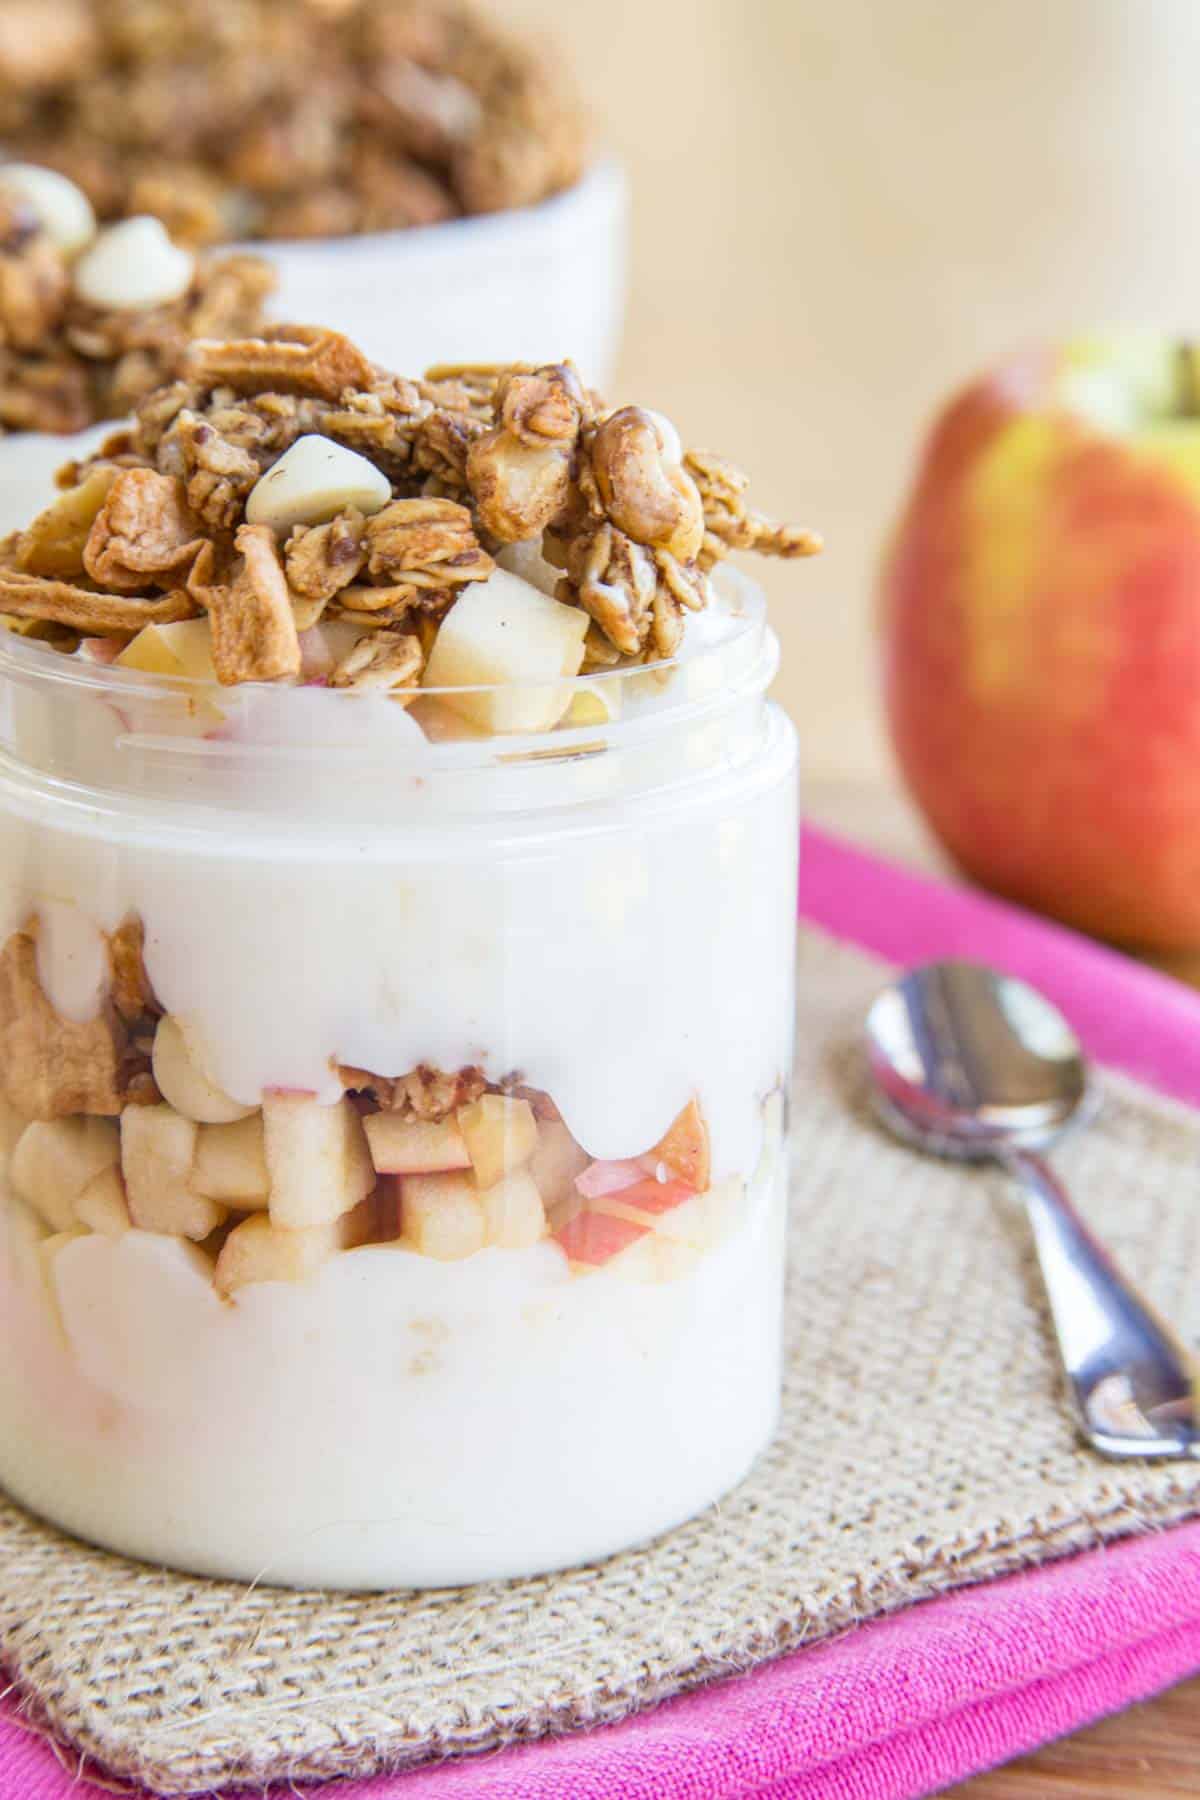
233,119
51,1066
185,513
67,362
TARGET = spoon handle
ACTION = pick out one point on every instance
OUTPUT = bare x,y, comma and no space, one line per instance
1131,1378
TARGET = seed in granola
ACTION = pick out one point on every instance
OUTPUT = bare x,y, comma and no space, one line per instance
312,481
133,266
384,663
320,560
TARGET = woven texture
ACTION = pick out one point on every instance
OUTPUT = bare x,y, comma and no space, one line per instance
925,1444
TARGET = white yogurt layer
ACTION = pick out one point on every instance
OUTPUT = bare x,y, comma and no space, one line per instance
392,1422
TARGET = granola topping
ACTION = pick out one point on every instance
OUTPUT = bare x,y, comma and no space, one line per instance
284,480
91,324
304,120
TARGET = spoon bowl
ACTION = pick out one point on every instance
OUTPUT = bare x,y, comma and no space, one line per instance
974,1065
970,1062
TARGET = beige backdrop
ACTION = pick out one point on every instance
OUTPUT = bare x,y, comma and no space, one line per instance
843,206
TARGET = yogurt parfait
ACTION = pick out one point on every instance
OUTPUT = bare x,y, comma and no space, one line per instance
397,891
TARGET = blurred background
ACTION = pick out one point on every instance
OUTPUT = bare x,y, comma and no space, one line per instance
842,211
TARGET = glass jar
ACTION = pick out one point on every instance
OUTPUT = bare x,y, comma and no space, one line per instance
393,1111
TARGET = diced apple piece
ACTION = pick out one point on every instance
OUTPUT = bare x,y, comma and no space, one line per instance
645,1200
526,560
323,646
183,1082
360,1176
158,1148
594,703
53,543
441,1216
440,724
706,1219
104,651
102,1206
415,1146
231,1164
257,1250
600,1178
182,649
505,637
501,1135
594,1238
54,1161
566,1209
375,1220
556,1161
513,1214
317,1159
684,1149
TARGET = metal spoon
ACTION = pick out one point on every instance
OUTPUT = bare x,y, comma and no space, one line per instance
971,1064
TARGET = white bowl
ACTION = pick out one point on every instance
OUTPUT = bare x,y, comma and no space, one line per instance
544,282
535,284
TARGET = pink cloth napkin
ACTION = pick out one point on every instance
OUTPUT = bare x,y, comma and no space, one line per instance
904,1706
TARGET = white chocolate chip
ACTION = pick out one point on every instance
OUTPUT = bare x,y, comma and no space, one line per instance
63,211
312,481
133,265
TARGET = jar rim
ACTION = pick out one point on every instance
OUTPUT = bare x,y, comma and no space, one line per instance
741,612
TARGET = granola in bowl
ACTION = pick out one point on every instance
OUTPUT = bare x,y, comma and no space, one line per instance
314,118
395,946
93,320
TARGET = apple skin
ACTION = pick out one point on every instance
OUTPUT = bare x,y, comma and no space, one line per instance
1041,623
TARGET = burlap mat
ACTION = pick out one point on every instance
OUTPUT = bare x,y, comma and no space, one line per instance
925,1444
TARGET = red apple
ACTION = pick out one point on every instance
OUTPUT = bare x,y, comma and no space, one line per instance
1042,635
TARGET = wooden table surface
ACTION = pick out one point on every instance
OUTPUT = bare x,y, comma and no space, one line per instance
1151,1752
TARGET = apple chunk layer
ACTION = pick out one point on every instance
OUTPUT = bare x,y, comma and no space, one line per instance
317,1159
504,636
